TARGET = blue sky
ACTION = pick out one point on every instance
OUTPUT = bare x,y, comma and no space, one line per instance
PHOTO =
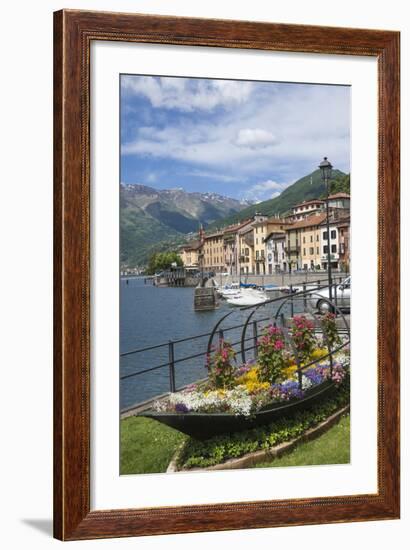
243,139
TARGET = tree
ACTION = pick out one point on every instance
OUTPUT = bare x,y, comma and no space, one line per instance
159,261
340,185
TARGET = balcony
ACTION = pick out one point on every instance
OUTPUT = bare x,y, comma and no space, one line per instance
292,250
333,257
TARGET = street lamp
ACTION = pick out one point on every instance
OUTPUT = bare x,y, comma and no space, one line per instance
326,171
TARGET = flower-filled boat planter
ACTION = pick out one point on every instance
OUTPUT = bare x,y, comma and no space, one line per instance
202,425
290,372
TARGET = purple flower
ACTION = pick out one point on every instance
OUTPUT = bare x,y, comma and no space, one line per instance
181,408
286,391
316,376
291,390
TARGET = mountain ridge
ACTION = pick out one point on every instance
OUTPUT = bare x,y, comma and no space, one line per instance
151,216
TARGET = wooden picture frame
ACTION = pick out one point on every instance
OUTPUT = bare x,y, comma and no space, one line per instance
74,32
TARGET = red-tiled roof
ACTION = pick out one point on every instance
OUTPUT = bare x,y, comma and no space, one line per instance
276,235
193,245
236,226
339,196
310,221
311,201
278,221
214,234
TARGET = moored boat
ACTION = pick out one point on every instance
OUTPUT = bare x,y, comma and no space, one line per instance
247,297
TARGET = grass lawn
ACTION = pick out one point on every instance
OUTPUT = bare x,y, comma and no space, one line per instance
147,446
333,447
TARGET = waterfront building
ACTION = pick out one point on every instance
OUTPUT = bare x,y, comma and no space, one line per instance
339,238
231,243
303,242
305,209
189,254
261,230
343,227
246,250
339,201
275,244
213,252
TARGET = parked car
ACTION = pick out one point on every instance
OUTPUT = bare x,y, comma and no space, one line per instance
318,300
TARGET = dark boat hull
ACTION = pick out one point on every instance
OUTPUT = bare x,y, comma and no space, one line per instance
205,425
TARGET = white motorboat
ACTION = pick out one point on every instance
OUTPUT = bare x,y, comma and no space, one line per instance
228,291
247,297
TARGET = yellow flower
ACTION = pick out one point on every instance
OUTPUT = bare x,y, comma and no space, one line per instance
255,386
318,353
250,376
290,372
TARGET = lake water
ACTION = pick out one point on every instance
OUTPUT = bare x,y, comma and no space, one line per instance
154,315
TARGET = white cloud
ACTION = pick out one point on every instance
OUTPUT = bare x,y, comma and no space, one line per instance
255,138
211,175
311,122
264,190
187,94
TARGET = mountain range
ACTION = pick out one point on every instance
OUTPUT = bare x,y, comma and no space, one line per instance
152,219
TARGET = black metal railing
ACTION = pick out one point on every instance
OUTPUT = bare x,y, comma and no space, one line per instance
172,361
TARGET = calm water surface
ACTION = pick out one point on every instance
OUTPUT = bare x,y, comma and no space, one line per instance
153,315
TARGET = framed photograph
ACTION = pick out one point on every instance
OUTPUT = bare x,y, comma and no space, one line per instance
226,275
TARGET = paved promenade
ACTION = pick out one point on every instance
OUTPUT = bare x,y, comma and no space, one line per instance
283,279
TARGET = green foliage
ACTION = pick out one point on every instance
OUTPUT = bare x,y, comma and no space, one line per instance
147,446
141,235
303,337
221,367
333,447
330,332
341,184
162,260
201,454
271,354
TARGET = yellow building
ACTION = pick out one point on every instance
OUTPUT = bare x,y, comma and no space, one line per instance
246,250
262,229
232,247
189,254
213,252
304,241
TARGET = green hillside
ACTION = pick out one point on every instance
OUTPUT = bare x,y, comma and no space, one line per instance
140,234
308,187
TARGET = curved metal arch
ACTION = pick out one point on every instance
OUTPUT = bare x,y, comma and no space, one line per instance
338,310
245,327
310,309
284,300
211,337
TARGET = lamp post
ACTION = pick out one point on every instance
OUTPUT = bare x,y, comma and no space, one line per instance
326,171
